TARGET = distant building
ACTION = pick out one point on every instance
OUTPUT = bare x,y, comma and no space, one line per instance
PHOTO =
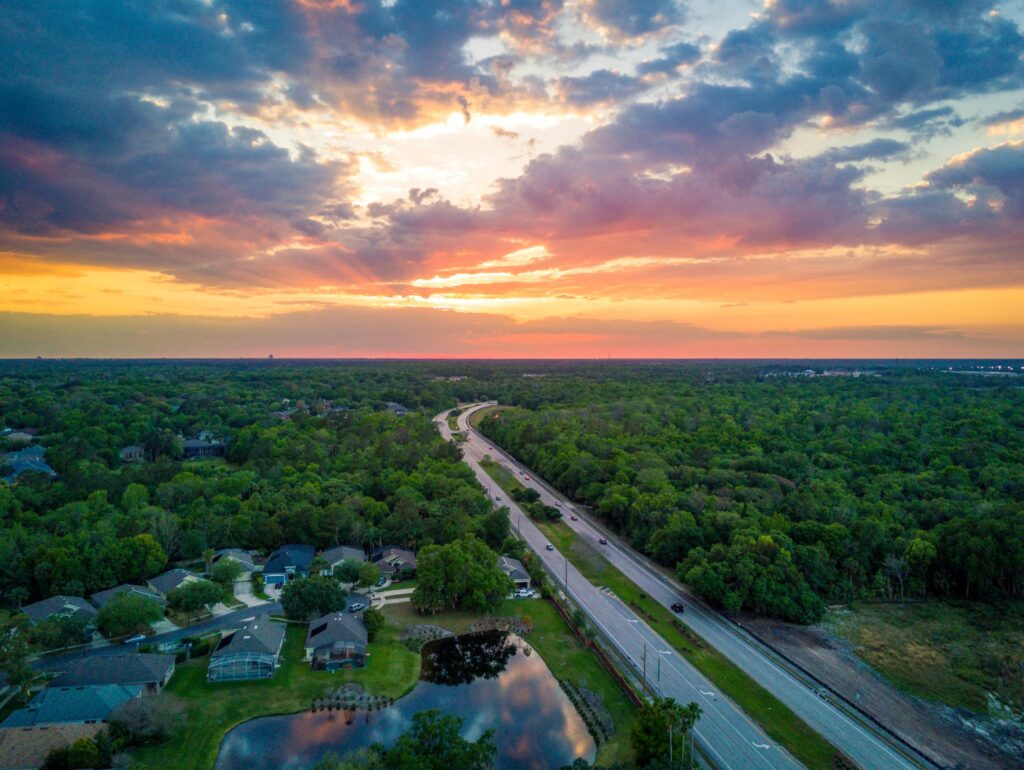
197,448
515,570
336,641
21,435
100,598
70,705
151,672
288,562
335,556
251,652
394,562
31,458
59,605
132,454
172,579
397,409
244,558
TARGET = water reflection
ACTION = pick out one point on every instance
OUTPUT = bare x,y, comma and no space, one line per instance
486,679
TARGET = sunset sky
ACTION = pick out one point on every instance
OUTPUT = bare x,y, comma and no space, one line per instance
512,178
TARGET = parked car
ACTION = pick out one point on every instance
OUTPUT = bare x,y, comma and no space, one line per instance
524,593
602,541
678,607
356,607
135,639
550,547
381,582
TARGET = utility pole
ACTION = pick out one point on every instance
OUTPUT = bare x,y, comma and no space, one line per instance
566,575
645,671
670,758
659,673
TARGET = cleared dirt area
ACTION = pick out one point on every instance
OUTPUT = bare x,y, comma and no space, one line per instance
952,737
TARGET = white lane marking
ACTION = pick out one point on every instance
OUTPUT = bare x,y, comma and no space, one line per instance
761,745
707,693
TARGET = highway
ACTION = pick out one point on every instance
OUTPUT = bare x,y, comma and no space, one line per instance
726,730
725,734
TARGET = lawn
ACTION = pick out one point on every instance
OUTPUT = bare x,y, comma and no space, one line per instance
947,652
775,718
214,708
555,642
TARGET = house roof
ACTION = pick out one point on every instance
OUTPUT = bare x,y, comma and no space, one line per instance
261,635
22,748
513,568
336,627
132,448
341,552
28,459
171,579
102,597
55,705
292,555
242,557
394,557
58,605
134,668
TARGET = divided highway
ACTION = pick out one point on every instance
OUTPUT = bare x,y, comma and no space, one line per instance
724,733
727,735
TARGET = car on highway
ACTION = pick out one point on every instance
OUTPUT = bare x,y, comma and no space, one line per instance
573,517
558,503
356,607
549,547
526,477
678,607
602,541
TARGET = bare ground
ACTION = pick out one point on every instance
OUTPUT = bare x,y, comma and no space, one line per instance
954,738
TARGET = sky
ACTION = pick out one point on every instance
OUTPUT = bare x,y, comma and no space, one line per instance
512,178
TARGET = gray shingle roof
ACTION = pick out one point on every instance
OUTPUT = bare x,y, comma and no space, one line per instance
171,579
336,627
342,552
513,568
102,597
261,635
237,554
58,605
135,668
56,705
291,555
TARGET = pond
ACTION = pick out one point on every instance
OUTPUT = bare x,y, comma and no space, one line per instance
490,680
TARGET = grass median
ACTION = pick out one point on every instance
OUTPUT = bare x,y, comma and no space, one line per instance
781,724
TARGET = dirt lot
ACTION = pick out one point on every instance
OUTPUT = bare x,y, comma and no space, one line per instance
952,737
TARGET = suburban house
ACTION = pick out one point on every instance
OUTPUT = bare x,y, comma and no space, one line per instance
336,641
515,570
102,597
394,562
288,562
244,558
26,748
335,556
151,672
58,605
68,705
397,409
20,435
175,578
31,458
132,454
251,652
199,448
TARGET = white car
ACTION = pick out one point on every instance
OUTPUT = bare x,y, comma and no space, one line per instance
524,593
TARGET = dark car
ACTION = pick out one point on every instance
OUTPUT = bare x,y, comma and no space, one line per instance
678,607
573,517
602,541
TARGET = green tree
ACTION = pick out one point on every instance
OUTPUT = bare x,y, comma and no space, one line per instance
374,621
660,729
462,574
127,614
62,631
306,598
195,596
225,572
14,652
369,573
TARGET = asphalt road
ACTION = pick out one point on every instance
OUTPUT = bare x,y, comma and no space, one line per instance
724,732
869,749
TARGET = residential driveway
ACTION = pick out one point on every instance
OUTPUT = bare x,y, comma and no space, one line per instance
244,594
163,626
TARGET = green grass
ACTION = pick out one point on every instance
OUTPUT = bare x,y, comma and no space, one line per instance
775,718
453,422
480,414
557,645
947,652
214,708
